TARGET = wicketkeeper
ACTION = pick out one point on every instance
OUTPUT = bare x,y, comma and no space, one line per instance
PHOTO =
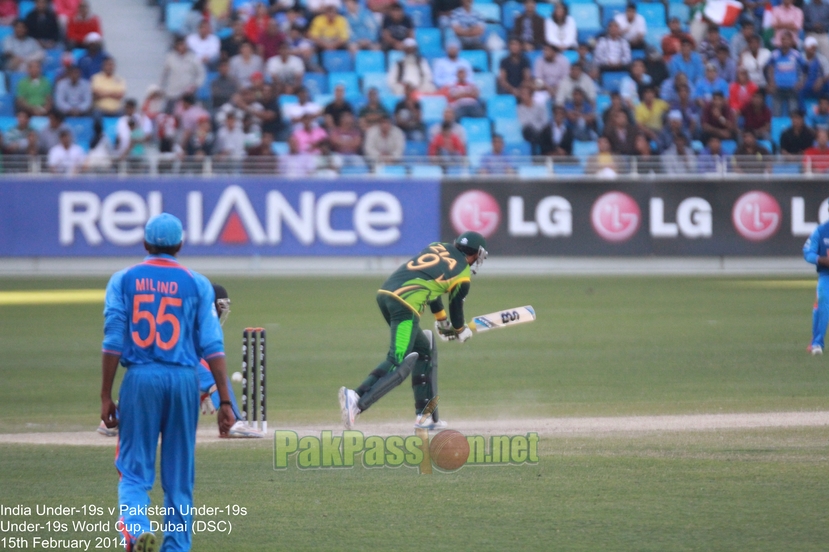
438,269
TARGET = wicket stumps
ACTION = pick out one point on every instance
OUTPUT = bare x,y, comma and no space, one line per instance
254,407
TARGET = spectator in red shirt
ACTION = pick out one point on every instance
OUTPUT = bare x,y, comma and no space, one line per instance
81,25
8,12
673,40
718,119
816,158
757,116
741,90
258,23
65,10
270,40
446,144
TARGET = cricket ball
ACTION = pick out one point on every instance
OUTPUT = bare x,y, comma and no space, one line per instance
237,376
449,450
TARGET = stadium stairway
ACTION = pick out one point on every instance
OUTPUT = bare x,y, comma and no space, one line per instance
133,38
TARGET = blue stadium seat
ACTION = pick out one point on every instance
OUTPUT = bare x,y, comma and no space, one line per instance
354,170
571,55
785,168
509,128
729,32
581,2
78,53
325,99
204,93
612,79
765,143
7,122
680,10
176,16
588,21
5,30
534,55
316,83
501,105
653,12
14,78
39,123
476,150
390,101
544,10
416,149
6,105
610,3
394,56
81,128
426,171
533,171
729,147
517,149
337,61
369,61
110,128
609,12
52,60
654,34
584,149
637,53
379,81
495,58
431,108
477,129
568,169
476,58
421,15
486,84
496,29
457,170
280,148
24,7
428,41
509,11
285,100
391,170
490,12
778,125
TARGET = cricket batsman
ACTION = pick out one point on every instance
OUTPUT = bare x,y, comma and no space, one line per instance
815,252
159,320
438,269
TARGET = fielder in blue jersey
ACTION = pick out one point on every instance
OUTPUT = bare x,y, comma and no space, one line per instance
159,320
815,252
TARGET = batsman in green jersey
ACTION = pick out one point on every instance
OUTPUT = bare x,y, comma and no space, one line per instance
438,269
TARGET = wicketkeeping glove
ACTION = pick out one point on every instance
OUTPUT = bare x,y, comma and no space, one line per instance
207,405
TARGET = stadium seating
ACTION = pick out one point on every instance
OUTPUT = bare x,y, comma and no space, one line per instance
612,79
654,34
509,11
337,61
571,55
24,7
426,171
501,105
7,122
432,108
517,149
609,12
110,128
285,100
428,42
510,129
416,149
316,83
589,23
584,149
390,101
391,170
486,84
544,10
477,129
281,148
39,123
786,168
204,93
490,12
81,128
495,58
379,81
369,61
533,171
476,150
679,10
176,15
653,12
421,14
778,125
729,147
6,105
476,58
393,56
568,169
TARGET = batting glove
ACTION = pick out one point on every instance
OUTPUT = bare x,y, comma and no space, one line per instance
445,330
207,405
464,334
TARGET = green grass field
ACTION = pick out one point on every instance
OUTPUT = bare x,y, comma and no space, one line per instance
600,347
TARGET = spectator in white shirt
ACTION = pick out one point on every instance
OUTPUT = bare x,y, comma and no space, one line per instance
73,94
446,68
125,132
66,157
560,30
296,111
632,26
205,45
576,79
412,69
286,70
755,60
551,68
612,51
230,142
245,64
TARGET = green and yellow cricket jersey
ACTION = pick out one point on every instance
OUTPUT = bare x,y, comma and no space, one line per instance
438,269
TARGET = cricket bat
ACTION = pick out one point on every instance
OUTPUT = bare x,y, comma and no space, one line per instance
500,319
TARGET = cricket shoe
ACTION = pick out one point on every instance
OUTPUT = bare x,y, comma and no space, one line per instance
348,406
107,431
816,350
145,543
241,430
429,423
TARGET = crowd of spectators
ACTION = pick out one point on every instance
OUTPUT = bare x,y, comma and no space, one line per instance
240,86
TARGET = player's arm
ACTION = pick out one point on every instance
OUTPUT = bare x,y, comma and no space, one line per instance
454,326
115,328
811,252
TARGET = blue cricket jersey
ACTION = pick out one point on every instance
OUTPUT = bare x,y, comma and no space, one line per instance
159,312
816,246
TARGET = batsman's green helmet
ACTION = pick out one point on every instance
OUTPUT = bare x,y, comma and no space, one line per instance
470,243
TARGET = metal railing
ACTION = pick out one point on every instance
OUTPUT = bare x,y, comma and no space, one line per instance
529,167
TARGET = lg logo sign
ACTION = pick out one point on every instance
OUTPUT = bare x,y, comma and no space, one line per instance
475,211
615,217
756,216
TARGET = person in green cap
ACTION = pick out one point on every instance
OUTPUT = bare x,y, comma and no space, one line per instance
438,269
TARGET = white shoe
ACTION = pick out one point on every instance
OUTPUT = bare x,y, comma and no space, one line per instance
348,406
106,431
429,423
241,429
817,350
